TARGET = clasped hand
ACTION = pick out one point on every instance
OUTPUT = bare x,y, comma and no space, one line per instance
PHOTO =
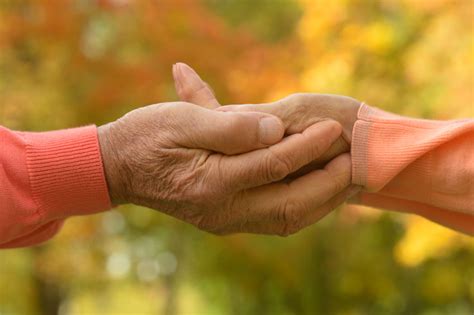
272,168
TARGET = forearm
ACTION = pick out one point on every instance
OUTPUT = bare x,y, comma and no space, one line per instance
45,178
456,220
413,164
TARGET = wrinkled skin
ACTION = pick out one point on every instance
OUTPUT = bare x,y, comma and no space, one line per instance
220,171
297,111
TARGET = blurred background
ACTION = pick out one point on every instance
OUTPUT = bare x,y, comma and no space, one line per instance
69,63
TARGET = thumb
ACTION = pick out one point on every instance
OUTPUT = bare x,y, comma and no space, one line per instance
229,132
191,88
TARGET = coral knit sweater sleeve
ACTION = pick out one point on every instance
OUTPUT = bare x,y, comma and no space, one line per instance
418,166
46,177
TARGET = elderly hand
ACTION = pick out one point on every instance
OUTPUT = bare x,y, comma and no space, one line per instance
297,111
197,165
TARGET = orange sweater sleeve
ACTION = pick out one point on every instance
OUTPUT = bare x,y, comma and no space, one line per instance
419,166
45,178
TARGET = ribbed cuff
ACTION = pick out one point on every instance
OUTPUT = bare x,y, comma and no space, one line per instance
66,172
384,144
363,139
359,148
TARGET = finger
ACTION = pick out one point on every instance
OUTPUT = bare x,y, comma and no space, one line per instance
228,133
304,193
286,208
315,215
273,228
273,108
274,163
295,117
191,88
294,121
337,147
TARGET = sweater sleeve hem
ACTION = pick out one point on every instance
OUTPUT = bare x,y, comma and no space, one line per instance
66,173
359,148
365,135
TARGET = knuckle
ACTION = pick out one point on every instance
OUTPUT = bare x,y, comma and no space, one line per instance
276,166
204,224
237,122
302,99
216,225
316,151
187,93
289,218
297,96
219,232
219,179
285,231
301,111
202,89
213,232
288,230
172,115
216,219
190,93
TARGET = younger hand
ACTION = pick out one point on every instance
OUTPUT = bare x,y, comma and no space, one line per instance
297,111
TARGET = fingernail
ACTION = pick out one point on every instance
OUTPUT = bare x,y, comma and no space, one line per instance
270,130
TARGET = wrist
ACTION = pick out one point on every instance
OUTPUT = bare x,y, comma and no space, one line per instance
348,117
112,165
